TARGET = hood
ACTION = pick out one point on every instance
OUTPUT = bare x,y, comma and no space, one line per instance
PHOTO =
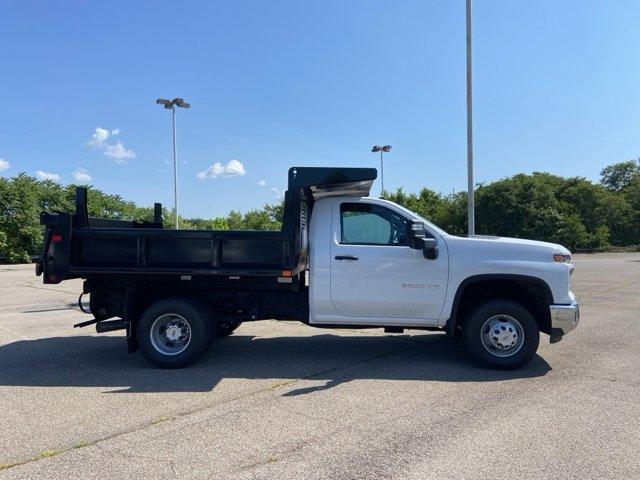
523,241
511,248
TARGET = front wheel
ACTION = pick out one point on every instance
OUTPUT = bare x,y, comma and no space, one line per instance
174,333
501,334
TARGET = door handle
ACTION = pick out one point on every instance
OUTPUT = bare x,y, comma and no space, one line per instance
346,257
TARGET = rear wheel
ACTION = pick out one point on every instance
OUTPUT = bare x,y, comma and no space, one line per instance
501,334
174,333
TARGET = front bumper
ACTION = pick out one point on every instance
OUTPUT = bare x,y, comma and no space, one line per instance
564,318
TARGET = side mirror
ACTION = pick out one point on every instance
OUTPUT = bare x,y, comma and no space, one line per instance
430,248
418,240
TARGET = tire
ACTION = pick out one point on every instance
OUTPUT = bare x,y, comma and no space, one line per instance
501,334
227,327
174,333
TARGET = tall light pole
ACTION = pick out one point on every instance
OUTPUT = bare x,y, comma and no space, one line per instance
172,104
382,149
470,194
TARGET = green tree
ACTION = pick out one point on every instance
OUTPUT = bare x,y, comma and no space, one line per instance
618,176
20,206
267,219
522,206
571,232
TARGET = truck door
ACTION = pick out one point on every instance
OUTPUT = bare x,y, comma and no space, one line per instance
374,274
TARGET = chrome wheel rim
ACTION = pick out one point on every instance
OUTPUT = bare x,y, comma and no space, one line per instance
170,334
502,335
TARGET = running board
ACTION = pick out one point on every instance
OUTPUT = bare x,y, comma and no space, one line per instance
112,326
393,330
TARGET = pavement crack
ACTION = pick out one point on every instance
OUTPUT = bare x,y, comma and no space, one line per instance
57,290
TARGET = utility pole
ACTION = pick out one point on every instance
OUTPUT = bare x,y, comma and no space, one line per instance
175,167
172,104
470,193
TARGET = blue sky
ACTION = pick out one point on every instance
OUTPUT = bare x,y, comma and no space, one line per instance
282,83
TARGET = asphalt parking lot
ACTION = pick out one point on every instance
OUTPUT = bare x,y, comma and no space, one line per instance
282,400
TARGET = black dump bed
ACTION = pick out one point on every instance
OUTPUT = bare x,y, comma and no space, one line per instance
76,245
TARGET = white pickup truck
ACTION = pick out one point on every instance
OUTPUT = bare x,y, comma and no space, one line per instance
342,259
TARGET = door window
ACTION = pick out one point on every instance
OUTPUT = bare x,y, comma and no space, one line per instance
368,224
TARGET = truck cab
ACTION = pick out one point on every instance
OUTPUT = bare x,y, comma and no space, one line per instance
366,269
342,259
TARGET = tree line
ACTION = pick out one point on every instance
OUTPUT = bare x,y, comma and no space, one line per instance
574,212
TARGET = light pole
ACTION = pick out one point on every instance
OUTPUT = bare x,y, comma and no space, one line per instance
172,104
470,195
382,149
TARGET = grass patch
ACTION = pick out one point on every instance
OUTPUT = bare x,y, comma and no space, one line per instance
280,384
162,420
50,452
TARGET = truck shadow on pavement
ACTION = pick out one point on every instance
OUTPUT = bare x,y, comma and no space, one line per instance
102,361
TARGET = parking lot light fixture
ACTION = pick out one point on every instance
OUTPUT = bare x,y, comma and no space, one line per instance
382,149
172,104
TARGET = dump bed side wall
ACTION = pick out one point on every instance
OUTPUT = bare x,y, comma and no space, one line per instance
71,252
181,250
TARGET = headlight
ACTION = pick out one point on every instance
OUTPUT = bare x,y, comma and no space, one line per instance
558,257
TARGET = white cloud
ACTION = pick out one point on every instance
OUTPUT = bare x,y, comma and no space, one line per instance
99,136
233,168
81,175
118,152
47,176
277,192
4,165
